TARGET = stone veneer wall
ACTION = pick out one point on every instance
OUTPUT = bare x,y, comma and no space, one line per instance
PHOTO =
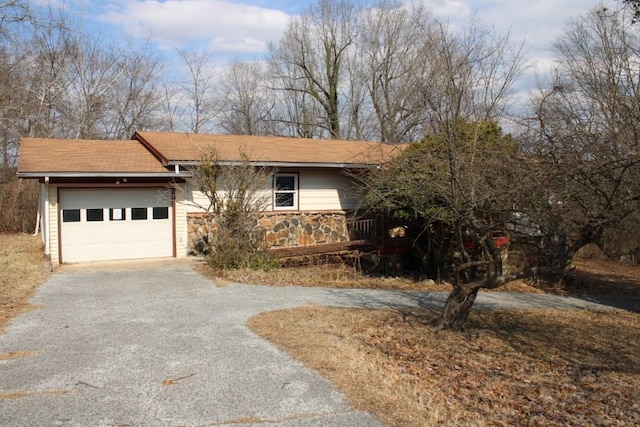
280,229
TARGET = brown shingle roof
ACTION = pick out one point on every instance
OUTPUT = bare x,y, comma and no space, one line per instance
40,155
175,148
148,151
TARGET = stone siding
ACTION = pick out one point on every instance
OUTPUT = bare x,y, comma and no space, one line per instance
279,229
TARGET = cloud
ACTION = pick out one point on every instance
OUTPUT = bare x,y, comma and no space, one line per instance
539,23
227,27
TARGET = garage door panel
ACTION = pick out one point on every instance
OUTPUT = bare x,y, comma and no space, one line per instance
118,235
105,198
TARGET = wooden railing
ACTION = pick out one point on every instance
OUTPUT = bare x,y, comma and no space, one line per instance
362,229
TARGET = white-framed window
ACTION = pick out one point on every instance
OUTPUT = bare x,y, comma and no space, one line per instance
285,191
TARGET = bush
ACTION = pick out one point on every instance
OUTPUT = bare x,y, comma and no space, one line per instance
18,203
233,246
235,195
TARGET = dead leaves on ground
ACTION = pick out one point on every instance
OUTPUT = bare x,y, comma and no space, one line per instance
528,367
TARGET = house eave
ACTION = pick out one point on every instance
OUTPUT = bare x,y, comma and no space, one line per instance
102,175
191,163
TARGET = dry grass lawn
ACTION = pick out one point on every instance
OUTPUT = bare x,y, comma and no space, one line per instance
22,269
339,275
533,367
589,276
527,367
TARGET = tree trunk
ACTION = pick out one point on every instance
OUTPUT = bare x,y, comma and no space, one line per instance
458,306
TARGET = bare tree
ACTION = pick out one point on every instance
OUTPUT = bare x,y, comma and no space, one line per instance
10,102
587,133
248,104
297,114
135,97
13,14
310,58
47,69
469,75
393,43
200,107
170,105
634,6
95,67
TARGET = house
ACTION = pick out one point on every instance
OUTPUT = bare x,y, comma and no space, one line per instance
110,200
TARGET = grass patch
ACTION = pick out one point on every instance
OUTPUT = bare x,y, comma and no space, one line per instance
588,277
525,367
338,275
22,269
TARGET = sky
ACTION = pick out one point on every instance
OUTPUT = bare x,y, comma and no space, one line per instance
243,28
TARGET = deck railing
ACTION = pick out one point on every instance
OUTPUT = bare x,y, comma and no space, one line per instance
362,229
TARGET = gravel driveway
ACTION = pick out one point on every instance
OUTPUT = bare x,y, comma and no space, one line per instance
160,345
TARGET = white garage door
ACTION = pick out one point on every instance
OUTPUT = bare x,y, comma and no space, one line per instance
111,224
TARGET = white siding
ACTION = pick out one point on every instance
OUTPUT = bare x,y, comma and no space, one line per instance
53,224
195,201
325,189
182,245
318,190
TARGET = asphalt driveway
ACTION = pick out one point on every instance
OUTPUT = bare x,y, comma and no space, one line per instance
163,346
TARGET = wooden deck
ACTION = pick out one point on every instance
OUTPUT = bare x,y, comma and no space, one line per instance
324,249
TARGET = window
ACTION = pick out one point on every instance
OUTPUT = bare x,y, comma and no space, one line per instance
95,214
161,213
117,214
285,191
138,213
71,215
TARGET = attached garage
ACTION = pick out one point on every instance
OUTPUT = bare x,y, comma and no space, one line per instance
108,224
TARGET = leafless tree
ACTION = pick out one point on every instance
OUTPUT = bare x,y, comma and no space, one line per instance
198,102
47,69
13,13
170,105
135,98
248,105
297,114
587,133
393,41
310,58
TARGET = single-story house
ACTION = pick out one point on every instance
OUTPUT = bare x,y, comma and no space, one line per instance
110,200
